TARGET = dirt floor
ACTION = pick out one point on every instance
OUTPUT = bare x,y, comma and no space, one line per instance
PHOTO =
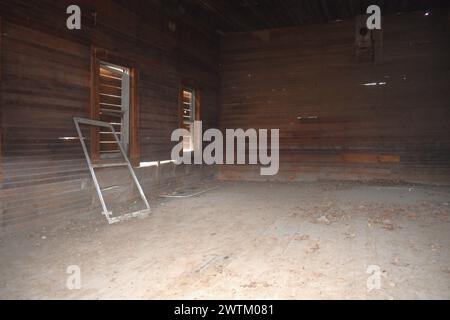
248,241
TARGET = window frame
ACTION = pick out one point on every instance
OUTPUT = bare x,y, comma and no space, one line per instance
196,93
99,56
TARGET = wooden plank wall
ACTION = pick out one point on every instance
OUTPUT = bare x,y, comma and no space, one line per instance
46,82
396,131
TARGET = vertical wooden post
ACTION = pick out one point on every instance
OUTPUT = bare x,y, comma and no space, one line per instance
95,105
135,148
1,101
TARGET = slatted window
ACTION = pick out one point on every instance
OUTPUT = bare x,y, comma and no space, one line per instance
114,107
188,117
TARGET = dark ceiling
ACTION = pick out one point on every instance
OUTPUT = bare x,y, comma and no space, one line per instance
249,15
223,16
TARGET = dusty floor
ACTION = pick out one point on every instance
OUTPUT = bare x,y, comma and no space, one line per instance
248,240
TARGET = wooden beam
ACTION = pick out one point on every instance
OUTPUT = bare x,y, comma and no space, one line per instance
135,147
1,101
95,105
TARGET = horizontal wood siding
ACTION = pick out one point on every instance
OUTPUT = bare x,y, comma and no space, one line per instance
46,81
400,130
